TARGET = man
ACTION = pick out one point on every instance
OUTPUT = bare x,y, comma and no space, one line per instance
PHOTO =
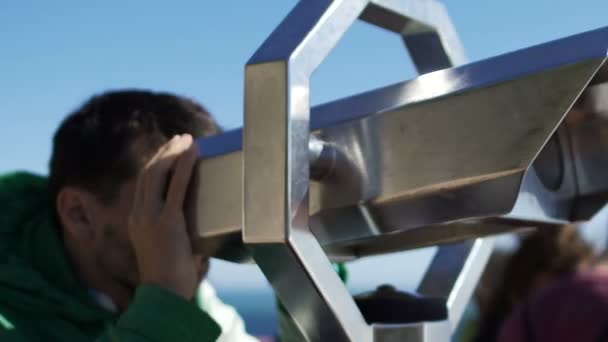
101,250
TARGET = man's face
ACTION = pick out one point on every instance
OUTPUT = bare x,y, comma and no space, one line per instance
99,239
112,247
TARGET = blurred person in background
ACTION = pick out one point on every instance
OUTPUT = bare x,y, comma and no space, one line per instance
542,257
571,308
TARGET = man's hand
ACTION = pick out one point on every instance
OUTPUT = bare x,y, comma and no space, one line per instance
157,225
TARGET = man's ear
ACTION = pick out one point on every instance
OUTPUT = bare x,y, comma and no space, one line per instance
76,209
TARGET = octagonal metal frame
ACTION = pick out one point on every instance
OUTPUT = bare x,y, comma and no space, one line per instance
276,137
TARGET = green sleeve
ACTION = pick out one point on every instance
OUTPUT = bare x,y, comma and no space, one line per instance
159,315
8,333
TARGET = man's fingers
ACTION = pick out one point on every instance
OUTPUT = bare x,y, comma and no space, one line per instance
181,177
145,177
160,239
138,197
157,172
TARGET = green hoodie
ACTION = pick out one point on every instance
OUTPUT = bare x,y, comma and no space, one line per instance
41,300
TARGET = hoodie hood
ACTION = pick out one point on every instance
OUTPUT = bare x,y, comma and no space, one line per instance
34,269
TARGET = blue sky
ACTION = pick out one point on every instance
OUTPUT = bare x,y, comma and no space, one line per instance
53,55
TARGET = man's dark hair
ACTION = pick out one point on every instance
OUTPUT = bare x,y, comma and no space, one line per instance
92,147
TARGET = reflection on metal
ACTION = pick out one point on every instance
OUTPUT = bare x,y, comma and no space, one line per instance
449,156
411,157
587,127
